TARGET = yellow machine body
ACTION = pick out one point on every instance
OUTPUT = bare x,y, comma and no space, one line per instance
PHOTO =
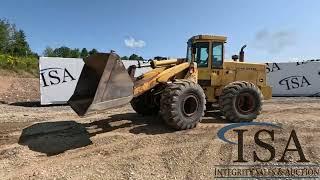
105,83
215,75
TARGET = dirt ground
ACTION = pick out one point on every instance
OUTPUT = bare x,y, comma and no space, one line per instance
54,143
15,89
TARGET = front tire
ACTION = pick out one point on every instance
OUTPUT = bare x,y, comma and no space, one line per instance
241,101
145,104
182,104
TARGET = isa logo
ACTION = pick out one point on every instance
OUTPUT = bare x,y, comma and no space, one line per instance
240,131
54,76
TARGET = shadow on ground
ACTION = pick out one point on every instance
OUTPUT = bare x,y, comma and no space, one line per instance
214,115
26,104
33,104
53,138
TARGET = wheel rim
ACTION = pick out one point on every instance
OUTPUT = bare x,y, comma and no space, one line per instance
245,103
190,105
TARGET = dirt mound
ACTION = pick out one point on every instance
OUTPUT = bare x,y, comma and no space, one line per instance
15,89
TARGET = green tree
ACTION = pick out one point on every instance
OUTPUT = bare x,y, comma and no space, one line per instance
4,35
135,57
84,53
48,52
93,51
124,58
20,46
13,41
34,54
63,51
75,53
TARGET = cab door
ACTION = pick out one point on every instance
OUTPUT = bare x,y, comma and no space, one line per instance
202,57
217,54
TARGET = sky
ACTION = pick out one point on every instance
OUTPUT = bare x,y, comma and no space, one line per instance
274,30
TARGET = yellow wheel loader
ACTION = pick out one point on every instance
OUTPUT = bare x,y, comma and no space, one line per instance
179,90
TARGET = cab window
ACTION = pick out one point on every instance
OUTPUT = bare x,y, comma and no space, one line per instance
217,55
202,54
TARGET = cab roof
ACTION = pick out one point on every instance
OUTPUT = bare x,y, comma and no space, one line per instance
208,37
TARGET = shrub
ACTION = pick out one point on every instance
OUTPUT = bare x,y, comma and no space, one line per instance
19,64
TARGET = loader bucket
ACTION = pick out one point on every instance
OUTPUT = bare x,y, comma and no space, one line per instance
104,83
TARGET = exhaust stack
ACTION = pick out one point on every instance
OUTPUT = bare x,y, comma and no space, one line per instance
241,54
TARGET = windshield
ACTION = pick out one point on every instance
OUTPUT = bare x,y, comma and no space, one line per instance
189,56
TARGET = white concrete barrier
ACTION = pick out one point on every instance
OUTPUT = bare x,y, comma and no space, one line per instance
294,78
59,77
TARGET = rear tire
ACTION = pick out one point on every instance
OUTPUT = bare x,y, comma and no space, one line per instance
145,104
241,101
182,104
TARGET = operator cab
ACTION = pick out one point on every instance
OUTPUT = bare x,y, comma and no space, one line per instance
207,51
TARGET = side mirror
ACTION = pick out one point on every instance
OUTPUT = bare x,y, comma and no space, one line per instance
194,49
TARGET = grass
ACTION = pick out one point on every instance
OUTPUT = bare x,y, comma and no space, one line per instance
24,66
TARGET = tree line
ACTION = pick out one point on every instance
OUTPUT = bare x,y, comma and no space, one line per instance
67,52
132,57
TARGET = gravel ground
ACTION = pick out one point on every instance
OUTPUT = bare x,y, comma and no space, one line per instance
54,143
